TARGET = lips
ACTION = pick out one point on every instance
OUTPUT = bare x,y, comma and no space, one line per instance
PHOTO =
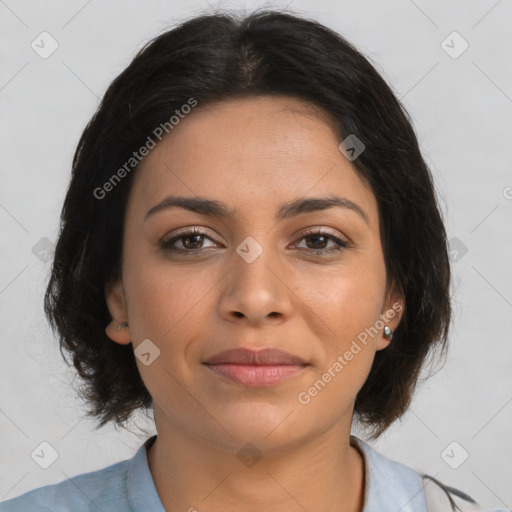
250,368
244,356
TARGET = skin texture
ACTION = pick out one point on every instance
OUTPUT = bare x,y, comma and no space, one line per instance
253,155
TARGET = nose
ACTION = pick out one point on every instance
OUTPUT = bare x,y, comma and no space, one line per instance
257,287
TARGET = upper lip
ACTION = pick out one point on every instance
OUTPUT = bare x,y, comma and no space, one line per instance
266,356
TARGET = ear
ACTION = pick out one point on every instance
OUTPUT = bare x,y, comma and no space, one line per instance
391,315
116,303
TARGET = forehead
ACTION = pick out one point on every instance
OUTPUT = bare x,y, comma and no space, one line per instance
257,152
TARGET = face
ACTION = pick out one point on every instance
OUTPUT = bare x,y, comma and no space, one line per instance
309,281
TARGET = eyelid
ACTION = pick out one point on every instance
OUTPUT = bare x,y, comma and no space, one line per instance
321,230
187,230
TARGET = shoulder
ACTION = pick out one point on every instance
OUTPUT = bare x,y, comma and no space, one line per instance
395,486
104,489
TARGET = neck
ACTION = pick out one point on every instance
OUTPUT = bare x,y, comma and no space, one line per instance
325,473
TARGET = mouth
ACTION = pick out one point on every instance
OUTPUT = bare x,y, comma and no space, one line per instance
251,368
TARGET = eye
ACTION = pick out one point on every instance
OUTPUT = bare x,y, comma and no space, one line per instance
191,240
321,238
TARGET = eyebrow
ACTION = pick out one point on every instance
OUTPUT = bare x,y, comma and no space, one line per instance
214,208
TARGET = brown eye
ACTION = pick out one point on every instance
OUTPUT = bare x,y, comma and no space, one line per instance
191,241
317,241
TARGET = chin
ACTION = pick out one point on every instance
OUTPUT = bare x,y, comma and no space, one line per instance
263,424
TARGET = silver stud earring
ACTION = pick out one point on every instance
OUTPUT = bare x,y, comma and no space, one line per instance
388,332
122,326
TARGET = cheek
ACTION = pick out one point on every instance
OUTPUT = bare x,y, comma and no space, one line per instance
348,302
164,300
349,309
165,306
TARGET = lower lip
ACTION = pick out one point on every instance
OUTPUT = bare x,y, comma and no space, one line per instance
256,375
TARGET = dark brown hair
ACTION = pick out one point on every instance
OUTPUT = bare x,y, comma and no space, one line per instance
221,56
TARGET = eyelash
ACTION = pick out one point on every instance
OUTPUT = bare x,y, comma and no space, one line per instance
167,244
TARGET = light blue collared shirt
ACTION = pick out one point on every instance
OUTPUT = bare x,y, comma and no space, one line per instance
128,486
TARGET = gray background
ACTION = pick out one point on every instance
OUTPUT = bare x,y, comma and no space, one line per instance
462,110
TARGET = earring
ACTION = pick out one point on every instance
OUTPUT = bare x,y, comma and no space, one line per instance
388,332
122,326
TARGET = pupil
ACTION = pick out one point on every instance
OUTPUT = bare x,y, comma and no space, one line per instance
316,237
193,243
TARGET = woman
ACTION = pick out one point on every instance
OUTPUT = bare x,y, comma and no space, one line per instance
251,247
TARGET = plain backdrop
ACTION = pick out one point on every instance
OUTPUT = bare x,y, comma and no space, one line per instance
461,102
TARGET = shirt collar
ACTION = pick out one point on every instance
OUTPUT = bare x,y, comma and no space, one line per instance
389,485
142,492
